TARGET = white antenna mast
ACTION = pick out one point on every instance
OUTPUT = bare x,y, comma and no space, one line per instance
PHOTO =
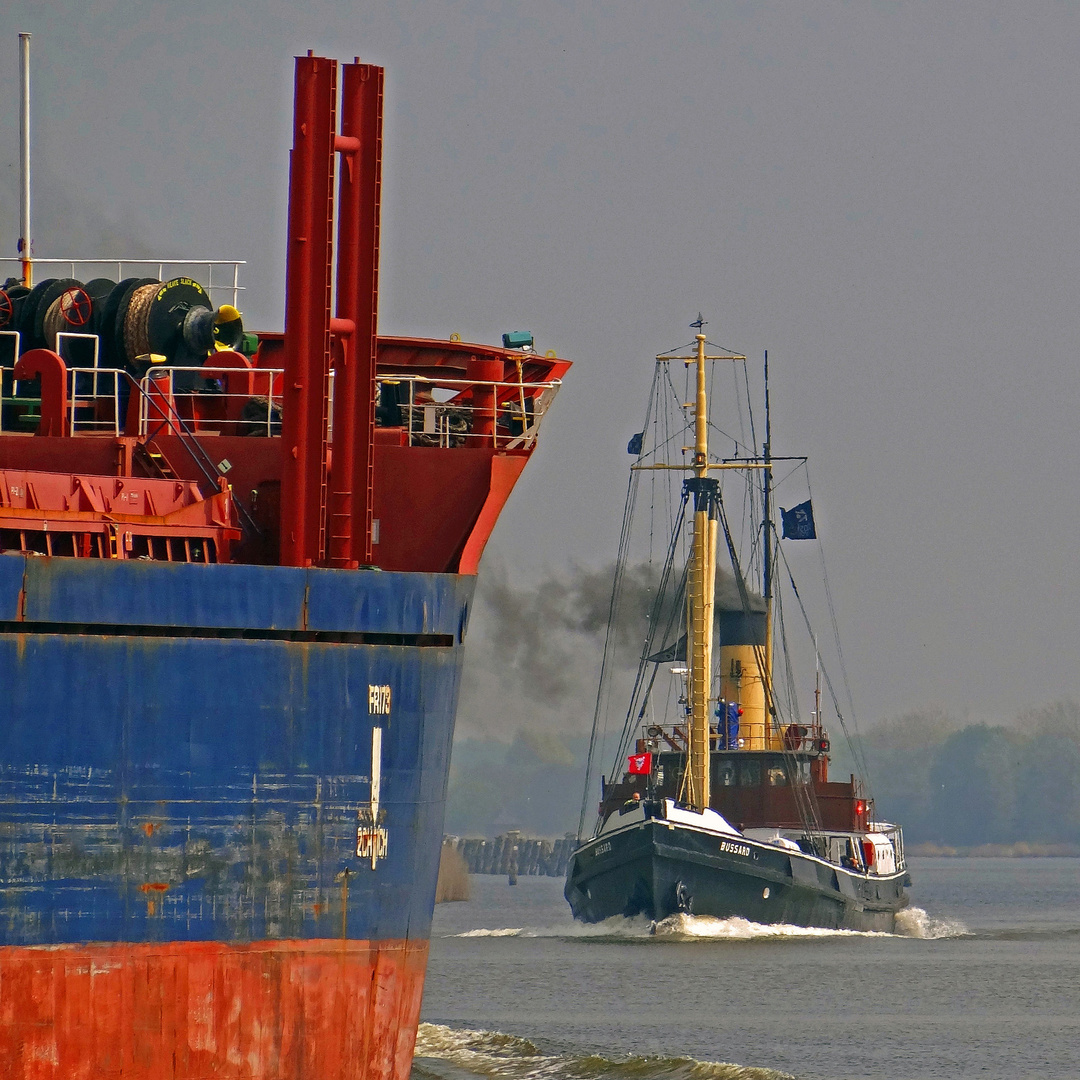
24,161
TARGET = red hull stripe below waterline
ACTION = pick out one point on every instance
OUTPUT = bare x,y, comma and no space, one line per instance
278,1010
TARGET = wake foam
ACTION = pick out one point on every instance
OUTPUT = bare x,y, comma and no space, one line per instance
492,1053
691,927
910,923
615,928
506,931
916,923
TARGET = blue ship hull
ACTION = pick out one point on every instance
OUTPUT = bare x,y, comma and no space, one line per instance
186,759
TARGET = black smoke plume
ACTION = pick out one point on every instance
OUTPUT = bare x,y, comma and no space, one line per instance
534,650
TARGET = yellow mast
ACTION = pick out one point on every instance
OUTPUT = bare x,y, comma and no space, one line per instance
701,592
745,676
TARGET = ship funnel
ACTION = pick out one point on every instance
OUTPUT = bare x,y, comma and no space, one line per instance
742,678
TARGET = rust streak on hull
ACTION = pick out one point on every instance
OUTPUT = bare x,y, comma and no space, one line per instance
281,1010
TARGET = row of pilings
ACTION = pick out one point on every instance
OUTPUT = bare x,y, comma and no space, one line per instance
515,855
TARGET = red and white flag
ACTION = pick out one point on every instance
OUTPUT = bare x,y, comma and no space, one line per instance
640,764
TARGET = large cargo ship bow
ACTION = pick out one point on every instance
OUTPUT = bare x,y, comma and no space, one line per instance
234,588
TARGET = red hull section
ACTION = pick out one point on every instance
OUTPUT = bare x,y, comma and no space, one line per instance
283,1010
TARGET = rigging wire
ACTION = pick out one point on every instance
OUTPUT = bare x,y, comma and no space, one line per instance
636,710
790,473
855,749
755,483
673,408
789,667
805,796
748,516
607,658
601,710
749,404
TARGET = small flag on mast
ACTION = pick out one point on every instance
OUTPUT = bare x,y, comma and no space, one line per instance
635,444
798,522
640,764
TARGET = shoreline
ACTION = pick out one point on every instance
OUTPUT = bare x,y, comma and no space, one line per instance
1020,850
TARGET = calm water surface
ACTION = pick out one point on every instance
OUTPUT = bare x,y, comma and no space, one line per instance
985,982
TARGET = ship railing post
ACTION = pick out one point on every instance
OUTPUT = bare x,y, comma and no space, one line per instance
16,341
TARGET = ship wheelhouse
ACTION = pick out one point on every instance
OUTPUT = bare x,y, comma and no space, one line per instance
752,789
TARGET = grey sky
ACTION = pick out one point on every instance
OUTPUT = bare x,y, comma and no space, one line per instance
883,195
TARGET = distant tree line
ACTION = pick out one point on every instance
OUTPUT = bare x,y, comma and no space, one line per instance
532,784
968,785
947,783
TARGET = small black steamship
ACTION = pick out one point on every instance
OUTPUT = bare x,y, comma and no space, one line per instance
728,811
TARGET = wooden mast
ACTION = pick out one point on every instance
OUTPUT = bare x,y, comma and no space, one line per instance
701,592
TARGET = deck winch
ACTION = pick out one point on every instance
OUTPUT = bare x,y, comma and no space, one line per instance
133,319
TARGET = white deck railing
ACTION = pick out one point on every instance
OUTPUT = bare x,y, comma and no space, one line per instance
222,276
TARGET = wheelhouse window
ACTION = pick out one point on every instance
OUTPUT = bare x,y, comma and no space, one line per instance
749,773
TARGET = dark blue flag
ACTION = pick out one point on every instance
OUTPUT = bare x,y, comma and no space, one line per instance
635,444
798,522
